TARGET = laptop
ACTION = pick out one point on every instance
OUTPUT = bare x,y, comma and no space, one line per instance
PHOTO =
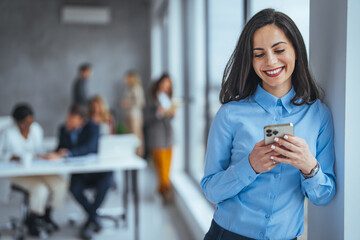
117,146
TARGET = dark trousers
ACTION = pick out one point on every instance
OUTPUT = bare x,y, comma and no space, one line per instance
218,233
99,182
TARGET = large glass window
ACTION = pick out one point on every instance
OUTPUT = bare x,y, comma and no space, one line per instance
213,27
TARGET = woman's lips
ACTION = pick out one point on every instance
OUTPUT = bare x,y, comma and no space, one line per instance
274,72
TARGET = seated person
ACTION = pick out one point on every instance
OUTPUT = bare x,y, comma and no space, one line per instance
25,137
100,114
80,137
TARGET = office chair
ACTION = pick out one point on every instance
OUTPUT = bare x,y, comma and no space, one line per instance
17,226
114,214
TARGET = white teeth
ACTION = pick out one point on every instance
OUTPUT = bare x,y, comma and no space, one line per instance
274,72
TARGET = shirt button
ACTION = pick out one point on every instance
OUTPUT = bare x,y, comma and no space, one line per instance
267,216
261,235
277,175
272,196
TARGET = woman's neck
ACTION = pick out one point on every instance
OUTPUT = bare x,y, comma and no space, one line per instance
25,134
277,91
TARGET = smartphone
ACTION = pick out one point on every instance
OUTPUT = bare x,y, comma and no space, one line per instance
273,131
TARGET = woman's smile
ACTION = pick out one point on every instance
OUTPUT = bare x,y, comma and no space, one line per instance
274,72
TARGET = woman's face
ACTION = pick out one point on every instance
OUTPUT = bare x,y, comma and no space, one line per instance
165,86
273,58
25,124
96,107
129,81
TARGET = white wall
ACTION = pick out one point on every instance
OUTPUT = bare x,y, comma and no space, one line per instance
334,51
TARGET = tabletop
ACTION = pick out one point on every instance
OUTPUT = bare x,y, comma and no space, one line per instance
84,164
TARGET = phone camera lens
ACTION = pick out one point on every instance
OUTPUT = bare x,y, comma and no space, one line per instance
269,131
275,132
269,135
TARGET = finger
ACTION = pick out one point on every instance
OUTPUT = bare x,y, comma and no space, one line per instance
294,140
261,143
286,144
281,160
269,148
272,162
284,152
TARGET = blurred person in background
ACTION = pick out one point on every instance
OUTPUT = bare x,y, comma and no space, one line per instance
133,104
78,137
100,114
160,132
20,142
80,88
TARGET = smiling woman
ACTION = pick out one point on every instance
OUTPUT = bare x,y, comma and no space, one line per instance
259,189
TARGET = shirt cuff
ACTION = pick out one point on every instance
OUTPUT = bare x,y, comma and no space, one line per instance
314,181
244,172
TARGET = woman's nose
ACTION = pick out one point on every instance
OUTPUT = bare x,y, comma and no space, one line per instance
271,59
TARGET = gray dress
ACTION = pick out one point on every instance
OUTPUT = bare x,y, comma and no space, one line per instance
159,129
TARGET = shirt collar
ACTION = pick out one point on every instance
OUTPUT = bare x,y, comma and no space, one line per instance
268,101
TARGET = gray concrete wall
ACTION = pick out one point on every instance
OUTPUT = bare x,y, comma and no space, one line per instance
39,55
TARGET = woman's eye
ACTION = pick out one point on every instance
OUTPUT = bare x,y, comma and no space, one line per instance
280,51
259,55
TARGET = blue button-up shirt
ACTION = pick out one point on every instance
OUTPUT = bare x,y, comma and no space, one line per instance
268,205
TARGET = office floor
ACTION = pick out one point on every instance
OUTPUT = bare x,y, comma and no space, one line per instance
156,221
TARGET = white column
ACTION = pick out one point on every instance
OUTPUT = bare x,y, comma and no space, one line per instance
334,60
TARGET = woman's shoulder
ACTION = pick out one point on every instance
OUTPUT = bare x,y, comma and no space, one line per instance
36,127
321,110
320,106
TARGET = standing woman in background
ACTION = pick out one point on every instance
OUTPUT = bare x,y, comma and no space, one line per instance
100,114
133,104
259,189
160,133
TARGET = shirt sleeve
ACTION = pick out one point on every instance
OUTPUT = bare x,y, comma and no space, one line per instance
320,189
221,180
39,144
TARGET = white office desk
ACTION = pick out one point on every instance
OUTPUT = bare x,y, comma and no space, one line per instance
86,164
130,164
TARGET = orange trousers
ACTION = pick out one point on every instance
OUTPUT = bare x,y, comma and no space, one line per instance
162,163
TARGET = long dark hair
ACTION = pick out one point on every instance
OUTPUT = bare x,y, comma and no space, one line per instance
240,80
156,85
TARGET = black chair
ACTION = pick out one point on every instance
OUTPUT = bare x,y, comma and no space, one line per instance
17,226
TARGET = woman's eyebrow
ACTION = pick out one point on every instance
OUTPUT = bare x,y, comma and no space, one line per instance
274,45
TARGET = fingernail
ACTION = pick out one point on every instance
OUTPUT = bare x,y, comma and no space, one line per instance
286,136
276,139
272,147
272,158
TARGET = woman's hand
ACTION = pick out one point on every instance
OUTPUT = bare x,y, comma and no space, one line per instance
259,157
295,151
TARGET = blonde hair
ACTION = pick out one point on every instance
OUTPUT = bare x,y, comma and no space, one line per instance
105,113
135,76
